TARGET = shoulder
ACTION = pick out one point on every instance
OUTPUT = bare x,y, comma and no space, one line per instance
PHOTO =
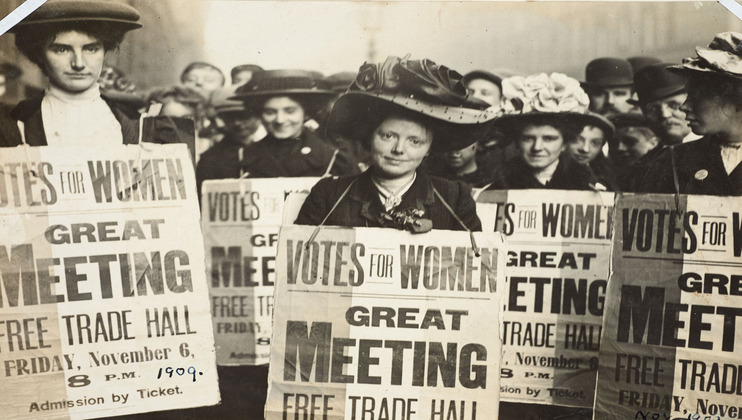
313,138
318,149
447,186
333,185
456,193
694,149
513,174
683,154
27,108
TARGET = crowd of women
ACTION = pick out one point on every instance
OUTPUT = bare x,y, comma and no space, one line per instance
403,144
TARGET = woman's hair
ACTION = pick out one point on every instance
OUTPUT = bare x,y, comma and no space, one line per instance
717,85
311,108
32,41
565,124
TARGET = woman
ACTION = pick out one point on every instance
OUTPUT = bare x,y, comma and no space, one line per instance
711,165
69,40
401,110
285,100
544,115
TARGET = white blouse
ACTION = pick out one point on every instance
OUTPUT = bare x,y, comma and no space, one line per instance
82,119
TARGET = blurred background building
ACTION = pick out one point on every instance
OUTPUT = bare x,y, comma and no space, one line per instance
524,37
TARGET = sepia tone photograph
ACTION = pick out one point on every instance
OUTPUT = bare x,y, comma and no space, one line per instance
237,209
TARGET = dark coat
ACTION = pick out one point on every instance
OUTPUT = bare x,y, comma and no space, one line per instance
632,176
220,161
690,160
517,175
9,133
479,178
307,155
603,170
361,207
159,130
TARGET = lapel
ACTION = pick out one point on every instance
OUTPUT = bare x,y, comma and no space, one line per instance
364,193
29,112
710,160
420,195
735,178
129,126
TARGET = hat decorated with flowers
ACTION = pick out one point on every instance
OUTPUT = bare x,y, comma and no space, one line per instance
540,96
434,94
722,57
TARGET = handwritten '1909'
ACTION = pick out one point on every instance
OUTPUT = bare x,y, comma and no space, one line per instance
180,372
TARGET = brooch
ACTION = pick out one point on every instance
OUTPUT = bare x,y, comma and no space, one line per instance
701,175
410,219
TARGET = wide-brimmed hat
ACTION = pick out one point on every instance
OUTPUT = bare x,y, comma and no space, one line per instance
221,100
608,72
304,85
542,97
655,82
340,82
482,74
722,57
431,92
55,12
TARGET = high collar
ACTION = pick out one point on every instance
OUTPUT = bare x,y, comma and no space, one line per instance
81,98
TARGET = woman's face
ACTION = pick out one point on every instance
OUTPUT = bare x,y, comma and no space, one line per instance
73,61
541,145
587,146
399,146
283,117
708,113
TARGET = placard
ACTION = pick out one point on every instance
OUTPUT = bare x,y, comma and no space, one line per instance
555,280
385,324
240,219
672,338
103,303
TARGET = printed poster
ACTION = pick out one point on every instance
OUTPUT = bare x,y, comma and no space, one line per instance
103,299
240,220
555,281
672,338
380,323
